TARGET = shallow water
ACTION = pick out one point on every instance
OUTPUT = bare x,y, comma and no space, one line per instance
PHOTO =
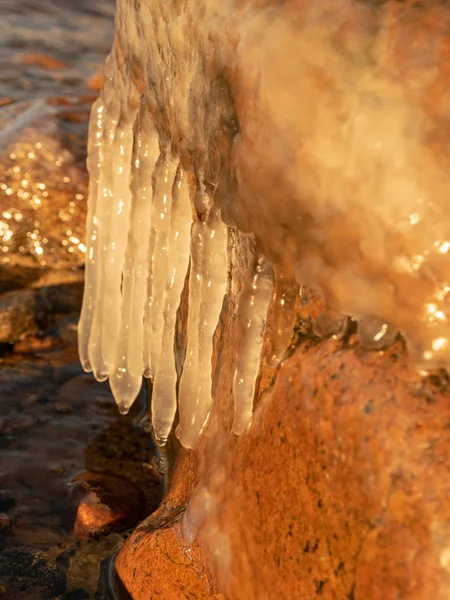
74,475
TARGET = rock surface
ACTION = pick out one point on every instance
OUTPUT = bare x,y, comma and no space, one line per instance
339,490
23,571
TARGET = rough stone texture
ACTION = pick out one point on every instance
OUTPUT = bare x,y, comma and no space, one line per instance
24,571
340,489
171,567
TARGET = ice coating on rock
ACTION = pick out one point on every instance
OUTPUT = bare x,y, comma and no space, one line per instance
252,310
299,130
364,215
284,304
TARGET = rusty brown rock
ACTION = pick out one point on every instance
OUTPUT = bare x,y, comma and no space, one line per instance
173,569
339,490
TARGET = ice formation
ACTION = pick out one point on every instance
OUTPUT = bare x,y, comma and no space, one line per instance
252,310
147,229
322,155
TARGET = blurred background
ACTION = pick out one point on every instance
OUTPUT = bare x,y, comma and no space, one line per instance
75,476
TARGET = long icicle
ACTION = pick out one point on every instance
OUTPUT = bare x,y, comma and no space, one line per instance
119,225
207,287
102,218
126,375
251,314
160,223
161,227
95,140
164,400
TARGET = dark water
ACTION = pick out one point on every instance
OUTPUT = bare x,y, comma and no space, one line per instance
74,475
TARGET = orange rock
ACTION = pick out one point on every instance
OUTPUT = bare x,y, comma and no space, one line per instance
43,60
338,491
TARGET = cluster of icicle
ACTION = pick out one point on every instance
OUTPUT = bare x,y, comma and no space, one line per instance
143,238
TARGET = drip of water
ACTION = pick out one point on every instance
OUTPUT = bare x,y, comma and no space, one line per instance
375,334
330,323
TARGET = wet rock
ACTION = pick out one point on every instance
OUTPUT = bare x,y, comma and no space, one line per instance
21,313
339,489
26,574
28,312
105,503
33,344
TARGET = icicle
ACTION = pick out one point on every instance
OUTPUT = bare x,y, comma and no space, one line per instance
252,313
283,319
101,220
207,287
111,298
95,138
164,400
161,222
126,375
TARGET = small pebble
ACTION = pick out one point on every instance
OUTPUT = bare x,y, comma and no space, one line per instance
105,503
5,523
32,344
